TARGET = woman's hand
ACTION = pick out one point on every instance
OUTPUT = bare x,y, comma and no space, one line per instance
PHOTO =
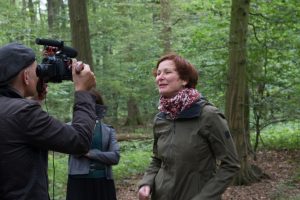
144,192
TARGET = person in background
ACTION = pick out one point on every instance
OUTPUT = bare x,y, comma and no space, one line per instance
90,175
27,132
190,137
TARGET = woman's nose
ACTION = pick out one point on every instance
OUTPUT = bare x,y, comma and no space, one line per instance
160,76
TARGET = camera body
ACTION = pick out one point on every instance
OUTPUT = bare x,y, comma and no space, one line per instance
56,64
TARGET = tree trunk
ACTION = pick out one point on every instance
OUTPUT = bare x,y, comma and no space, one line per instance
165,16
53,7
80,30
115,107
32,15
31,12
51,15
236,94
64,22
133,117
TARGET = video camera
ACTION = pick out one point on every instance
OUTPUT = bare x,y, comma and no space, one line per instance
57,61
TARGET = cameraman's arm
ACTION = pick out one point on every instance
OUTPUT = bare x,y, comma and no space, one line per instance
45,132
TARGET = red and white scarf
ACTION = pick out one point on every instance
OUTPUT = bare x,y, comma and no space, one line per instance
183,100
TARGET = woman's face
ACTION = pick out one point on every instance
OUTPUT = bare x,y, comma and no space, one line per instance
167,79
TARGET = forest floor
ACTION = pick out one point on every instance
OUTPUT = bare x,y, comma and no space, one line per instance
282,167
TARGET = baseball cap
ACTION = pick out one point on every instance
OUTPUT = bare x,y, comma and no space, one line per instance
14,57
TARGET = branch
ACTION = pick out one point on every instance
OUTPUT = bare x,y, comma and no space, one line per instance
254,30
273,122
178,20
259,14
129,137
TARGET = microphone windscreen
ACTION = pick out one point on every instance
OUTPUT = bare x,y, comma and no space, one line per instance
49,42
69,51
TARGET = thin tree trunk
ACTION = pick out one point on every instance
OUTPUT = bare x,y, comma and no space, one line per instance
165,16
53,7
51,10
133,117
115,107
32,15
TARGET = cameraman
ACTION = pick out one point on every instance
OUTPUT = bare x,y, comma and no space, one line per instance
27,132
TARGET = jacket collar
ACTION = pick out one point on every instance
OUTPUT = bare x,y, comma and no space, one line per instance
192,112
9,92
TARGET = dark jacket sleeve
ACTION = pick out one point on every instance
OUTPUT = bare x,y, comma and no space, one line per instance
152,170
223,147
112,155
45,132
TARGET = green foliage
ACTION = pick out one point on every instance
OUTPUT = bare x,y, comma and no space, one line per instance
18,23
273,62
135,157
136,145
59,102
57,172
123,56
201,35
125,40
280,136
132,164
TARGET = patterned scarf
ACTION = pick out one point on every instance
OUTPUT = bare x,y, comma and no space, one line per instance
183,100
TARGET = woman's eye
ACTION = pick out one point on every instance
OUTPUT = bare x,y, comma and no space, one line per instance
163,72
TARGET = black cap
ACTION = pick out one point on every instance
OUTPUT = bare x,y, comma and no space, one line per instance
13,58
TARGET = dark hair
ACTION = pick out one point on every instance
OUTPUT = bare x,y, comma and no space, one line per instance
97,94
186,70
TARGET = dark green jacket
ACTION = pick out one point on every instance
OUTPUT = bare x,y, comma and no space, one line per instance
185,155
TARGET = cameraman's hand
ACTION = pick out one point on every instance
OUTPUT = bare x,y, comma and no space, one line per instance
85,79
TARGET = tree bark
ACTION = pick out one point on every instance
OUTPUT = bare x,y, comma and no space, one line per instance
237,106
165,16
80,30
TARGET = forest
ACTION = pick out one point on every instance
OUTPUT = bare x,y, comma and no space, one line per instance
246,53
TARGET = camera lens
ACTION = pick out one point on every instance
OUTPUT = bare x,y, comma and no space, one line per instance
42,70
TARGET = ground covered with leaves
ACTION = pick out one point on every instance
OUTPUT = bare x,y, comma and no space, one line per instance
282,167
